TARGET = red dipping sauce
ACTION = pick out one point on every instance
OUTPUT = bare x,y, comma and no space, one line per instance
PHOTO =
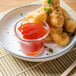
32,30
31,37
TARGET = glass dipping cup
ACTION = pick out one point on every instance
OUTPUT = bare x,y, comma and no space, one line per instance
31,46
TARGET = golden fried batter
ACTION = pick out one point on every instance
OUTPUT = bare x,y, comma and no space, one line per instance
54,3
69,23
59,37
56,18
37,16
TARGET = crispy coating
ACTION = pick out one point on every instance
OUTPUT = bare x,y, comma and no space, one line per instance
56,3
37,16
69,23
59,37
56,18
53,4
70,26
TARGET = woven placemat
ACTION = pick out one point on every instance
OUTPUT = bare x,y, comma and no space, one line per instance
11,66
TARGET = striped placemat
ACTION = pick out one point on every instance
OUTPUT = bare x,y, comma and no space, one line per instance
11,66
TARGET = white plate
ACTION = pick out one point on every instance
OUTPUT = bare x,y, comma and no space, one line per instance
9,41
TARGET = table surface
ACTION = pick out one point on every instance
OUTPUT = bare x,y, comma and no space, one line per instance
8,4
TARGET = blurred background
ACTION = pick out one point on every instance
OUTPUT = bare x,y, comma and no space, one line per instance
8,4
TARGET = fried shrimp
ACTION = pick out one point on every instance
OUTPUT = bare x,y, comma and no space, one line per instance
37,16
56,18
49,5
53,3
69,24
58,36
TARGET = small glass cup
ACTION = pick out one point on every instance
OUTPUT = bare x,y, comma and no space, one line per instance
31,46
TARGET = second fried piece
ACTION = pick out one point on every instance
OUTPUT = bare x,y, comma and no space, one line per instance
69,23
53,3
56,18
59,37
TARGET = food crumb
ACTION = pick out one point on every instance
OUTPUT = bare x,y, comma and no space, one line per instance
19,49
47,54
21,14
7,32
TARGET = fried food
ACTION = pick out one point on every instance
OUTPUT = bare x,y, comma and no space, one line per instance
56,18
56,3
69,23
37,16
59,37
53,3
